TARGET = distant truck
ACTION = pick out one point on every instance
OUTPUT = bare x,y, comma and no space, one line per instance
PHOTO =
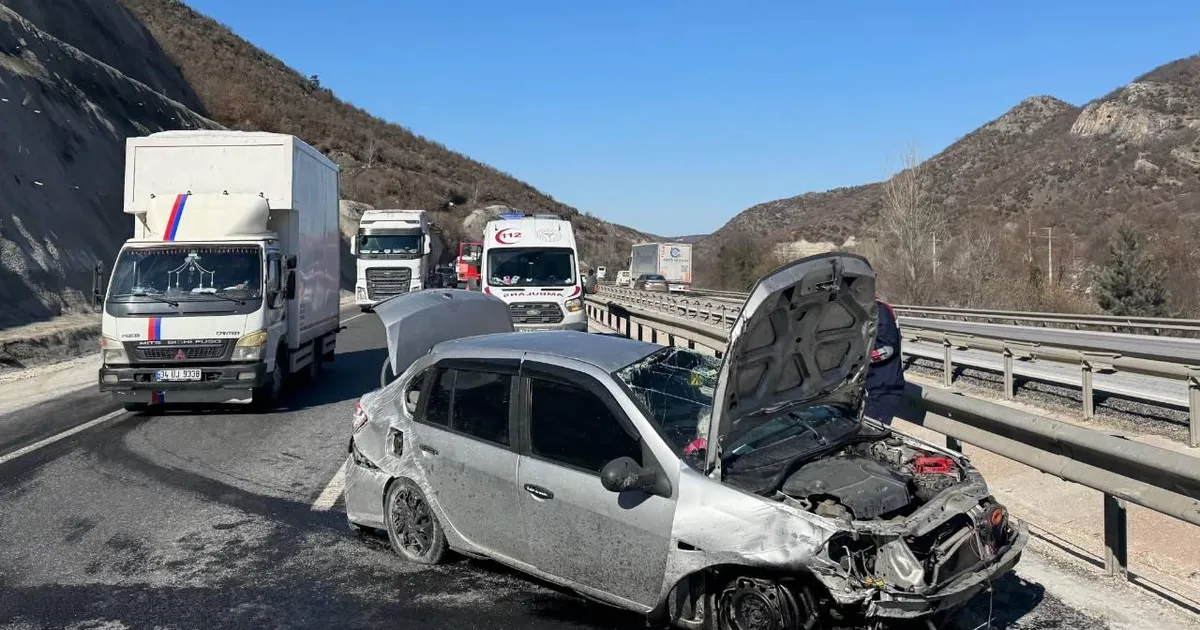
532,263
391,250
470,258
230,282
673,261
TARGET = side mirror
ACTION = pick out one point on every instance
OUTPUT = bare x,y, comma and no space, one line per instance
411,401
291,262
623,474
428,246
273,298
290,285
354,246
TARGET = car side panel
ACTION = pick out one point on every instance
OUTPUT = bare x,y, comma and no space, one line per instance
616,543
364,495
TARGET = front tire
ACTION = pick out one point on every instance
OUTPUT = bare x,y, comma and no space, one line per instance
412,527
269,393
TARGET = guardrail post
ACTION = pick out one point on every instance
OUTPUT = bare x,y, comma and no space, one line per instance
1089,400
1116,537
947,363
1009,389
1193,382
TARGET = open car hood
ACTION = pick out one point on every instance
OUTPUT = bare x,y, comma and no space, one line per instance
805,333
416,322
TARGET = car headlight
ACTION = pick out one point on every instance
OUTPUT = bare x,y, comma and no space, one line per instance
573,305
112,352
250,347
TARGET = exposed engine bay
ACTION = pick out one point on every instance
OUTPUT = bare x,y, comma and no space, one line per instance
914,519
870,480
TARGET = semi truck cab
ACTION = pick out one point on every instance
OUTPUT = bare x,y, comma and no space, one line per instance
392,250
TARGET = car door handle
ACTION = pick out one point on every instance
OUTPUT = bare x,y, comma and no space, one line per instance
429,449
538,492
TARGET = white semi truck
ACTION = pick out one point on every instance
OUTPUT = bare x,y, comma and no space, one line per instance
392,250
230,282
532,263
672,261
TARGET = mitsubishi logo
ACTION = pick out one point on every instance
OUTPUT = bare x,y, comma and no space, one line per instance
179,356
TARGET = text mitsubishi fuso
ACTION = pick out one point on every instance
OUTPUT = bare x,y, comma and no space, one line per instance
230,282
530,262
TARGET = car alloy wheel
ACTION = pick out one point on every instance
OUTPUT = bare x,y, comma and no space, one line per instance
413,528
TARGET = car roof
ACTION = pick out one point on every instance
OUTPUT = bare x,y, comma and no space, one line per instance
607,352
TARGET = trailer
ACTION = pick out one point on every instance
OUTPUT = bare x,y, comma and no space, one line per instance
673,261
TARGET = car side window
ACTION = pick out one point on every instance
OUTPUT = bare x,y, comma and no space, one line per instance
570,425
412,393
438,410
481,405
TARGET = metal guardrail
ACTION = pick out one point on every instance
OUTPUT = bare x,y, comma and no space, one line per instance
1123,470
1091,352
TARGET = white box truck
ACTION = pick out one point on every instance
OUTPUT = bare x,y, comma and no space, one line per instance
672,261
230,282
532,263
391,250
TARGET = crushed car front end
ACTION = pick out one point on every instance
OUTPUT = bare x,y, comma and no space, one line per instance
941,542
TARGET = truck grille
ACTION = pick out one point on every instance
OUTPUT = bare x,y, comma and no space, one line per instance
535,313
383,282
180,351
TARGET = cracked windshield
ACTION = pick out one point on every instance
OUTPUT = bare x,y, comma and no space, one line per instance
531,268
188,272
676,386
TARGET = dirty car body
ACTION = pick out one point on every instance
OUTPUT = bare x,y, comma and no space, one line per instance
738,493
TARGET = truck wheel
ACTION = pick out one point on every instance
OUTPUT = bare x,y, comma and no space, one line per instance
266,396
315,366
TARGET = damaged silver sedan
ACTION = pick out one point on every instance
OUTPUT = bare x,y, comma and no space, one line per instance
728,494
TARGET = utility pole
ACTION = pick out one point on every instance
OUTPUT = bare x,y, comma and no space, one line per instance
1050,254
935,259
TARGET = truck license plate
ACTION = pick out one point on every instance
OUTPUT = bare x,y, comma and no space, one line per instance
177,375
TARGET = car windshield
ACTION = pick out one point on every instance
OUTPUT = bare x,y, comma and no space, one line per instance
390,243
655,277
676,386
522,267
188,272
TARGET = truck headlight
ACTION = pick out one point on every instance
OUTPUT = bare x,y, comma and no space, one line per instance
360,292
416,285
573,305
112,352
250,347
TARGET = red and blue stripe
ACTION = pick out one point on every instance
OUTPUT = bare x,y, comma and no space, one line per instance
154,329
173,220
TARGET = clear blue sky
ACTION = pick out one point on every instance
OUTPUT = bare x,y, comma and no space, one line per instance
672,116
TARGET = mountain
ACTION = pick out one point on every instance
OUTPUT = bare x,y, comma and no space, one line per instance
383,164
76,78
1131,156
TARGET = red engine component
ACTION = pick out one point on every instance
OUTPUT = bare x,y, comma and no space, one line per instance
936,465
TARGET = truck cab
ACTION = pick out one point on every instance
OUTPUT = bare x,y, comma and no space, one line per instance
470,257
391,249
532,263
229,283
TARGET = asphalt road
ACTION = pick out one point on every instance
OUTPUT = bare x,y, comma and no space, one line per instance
206,520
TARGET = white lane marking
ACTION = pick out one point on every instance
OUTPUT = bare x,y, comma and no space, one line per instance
61,436
330,494
344,321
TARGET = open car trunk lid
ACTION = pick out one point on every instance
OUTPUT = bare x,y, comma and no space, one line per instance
416,322
805,333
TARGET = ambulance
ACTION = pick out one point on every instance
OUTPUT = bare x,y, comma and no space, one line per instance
531,262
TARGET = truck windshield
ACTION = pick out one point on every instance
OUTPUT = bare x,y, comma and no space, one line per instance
527,267
470,253
371,244
188,273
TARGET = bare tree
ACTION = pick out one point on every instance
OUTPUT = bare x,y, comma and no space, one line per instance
911,229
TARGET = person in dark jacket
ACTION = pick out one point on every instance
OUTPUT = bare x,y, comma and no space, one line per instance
885,378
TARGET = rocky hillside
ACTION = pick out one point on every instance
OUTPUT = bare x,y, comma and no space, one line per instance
64,117
384,165
1132,155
